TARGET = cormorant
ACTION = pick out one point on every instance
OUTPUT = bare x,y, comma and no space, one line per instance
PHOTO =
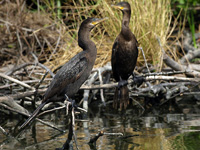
73,74
124,56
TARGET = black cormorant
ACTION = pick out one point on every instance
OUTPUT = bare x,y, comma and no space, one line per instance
124,56
75,72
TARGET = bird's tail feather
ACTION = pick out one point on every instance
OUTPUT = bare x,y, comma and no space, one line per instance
115,102
122,97
33,115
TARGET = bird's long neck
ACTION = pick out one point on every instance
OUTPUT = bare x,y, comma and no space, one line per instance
84,39
125,25
85,43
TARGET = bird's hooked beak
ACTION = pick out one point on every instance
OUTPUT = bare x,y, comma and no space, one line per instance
98,20
118,7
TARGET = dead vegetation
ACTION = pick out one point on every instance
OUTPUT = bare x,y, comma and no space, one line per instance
35,42
31,40
24,32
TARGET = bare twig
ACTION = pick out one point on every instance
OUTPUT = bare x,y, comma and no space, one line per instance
148,78
37,86
95,138
21,95
164,73
28,64
27,81
3,131
144,58
51,110
57,43
61,107
73,128
190,55
92,78
19,40
10,72
189,93
195,67
38,41
22,113
25,29
168,78
115,134
10,102
71,132
101,133
16,81
101,90
41,65
143,109
174,65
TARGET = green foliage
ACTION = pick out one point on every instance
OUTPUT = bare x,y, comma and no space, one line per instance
51,6
186,6
186,141
185,3
196,60
59,13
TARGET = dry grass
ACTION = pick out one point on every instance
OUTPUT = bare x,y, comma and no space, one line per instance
23,32
150,18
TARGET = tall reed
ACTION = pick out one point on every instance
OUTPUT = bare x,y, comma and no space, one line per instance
149,19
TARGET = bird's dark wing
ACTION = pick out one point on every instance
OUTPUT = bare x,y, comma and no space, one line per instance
114,60
136,42
68,74
124,57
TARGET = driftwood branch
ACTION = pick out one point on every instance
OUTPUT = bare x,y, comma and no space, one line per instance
71,132
3,131
16,81
59,108
171,78
11,103
176,66
103,86
147,78
27,82
188,40
101,133
190,55
16,68
27,115
21,95
95,138
144,58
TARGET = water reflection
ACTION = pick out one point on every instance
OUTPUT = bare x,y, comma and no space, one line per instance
156,130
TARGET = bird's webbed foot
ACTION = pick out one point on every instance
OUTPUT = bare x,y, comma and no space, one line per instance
121,83
72,102
122,97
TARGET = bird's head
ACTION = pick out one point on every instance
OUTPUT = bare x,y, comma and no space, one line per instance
90,23
123,6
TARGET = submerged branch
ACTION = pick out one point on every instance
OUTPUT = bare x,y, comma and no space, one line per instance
27,115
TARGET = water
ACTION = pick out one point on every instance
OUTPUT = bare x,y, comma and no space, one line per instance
169,127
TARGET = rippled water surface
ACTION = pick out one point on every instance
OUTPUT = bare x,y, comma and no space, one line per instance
168,127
